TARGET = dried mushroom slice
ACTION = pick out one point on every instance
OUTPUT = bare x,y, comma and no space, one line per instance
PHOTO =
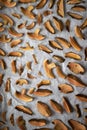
37,122
59,125
44,109
28,65
12,119
65,88
31,26
78,111
76,68
74,1
67,24
30,76
76,125
21,81
49,27
8,4
43,82
1,79
47,12
31,90
24,109
41,4
61,8
35,58
81,97
59,58
2,64
56,106
48,68
4,39
22,25
8,85
75,81
42,92
21,123
75,15
15,54
27,1
27,48
51,3
60,72
16,15
84,24
39,18
73,55
55,45
78,8
16,42
2,29
3,116
67,105
13,66
2,52
78,32
44,48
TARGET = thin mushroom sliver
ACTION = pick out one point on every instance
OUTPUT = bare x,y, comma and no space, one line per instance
65,88
42,92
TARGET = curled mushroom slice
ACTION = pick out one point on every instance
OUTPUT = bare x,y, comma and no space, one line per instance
42,92
16,15
78,32
30,26
58,24
2,64
37,122
67,24
75,81
73,55
55,45
41,4
22,97
15,54
75,15
8,4
65,88
75,44
60,9
67,105
22,25
49,27
79,8
59,125
44,48
76,68
4,39
74,1
63,42
56,106
51,3
76,125
39,18
84,24
43,82
7,19
8,85
78,111
21,81
2,52
15,42
44,109
12,119
59,58
21,123
36,35
24,109
1,79
26,1
13,32
48,68
28,12
81,97
13,66
47,12
60,73
27,48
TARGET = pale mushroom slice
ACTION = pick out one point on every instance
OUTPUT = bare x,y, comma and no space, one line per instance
78,8
61,9
76,125
44,109
13,66
55,45
48,68
39,18
16,15
44,48
4,39
76,68
35,59
37,122
72,79
15,54
73,55
65,88
21,81
78,32
42,92
22,25
59,125
7,3
43,82
81,97
21,123
75,15
41,4
49,27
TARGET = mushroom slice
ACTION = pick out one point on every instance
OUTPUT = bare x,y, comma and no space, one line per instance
7,19
67,105
2,64
16,15
56,106
63,42
37,122
39,18
36,35
76,68
21,123
22,97
44,48
20,69
8,4
78,32
75,44
59,58
51,3
67,24
84,24
75,81
55,45
15,42
81,97
15,54
74,1
75,15
24,109
34,58
27,48
60,73
8,85
58,24
60,9
42,92
21,81
49,27
48,68
86,54
31,90
73,55
65,88
76,125
44,109
43,82
13,66
12,119
26,1
3,116
30,26
28,65
78,110
28,12
59,125
78,8
2,52
22,25
30,76
13,32
1,78
41,4
4,39
47,12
